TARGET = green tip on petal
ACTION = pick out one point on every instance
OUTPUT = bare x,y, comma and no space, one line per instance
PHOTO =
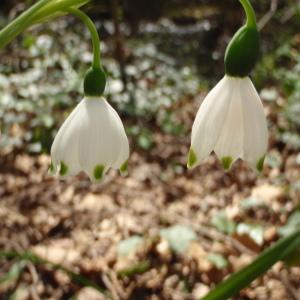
226,162
192,159
63,169
51,168
98,172
123,168
260,164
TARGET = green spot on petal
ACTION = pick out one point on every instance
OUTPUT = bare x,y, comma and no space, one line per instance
63,169
123,168
260,163
226,162
192,158
98,172
51,167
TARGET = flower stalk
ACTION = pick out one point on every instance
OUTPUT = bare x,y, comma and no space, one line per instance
243,50
39,12
8,33
57,8
95,78
251,19
93,31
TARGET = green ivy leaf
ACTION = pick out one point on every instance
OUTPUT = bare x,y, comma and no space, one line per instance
129,245
218,260
292,224
145,140
254,231
223,224
251,202
179,237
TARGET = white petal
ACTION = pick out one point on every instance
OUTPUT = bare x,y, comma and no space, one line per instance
230,141
92,139
255,125
210,119
65,146
103,141
123,141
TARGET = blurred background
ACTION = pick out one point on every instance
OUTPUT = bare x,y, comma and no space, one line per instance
162,232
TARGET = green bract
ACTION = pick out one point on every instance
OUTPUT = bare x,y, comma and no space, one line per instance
242,52
94,82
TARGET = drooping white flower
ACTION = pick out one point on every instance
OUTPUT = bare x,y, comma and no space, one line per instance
231,122
92,139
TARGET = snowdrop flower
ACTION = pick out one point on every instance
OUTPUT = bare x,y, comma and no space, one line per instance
92,139
231,120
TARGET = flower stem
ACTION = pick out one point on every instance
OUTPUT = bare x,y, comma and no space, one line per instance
251,19
55,9
39,12
94,34
8,33
259,266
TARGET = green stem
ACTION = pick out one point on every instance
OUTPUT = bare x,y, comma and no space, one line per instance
56,9
8,33
251,19
94,34
259,266
39,12
37,260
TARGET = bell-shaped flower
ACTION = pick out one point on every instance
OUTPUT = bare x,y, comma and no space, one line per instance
231,122
92,139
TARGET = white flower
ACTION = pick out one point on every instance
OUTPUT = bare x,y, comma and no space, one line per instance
92,139
230,122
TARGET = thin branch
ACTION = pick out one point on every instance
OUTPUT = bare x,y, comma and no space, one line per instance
213,234
110,286
290,12
268,16
289,287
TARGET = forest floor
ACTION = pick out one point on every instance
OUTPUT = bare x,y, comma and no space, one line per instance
232,216
162,232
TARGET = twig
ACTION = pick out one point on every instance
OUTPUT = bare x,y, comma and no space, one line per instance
110,286
215,235
225,238
35,278
117,285
291,290
290,12
33,272
268,16
34,293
